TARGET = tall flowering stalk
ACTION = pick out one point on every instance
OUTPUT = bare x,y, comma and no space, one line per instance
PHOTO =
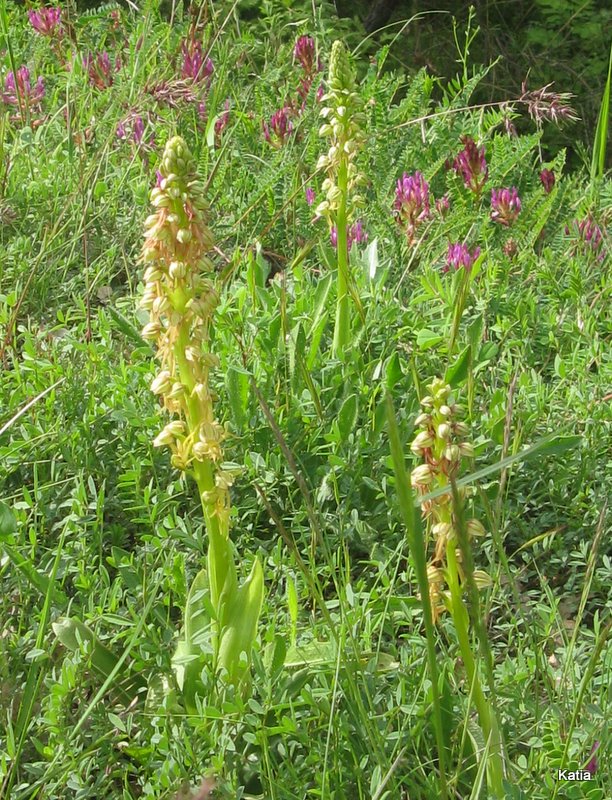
344,120
441,444
181,297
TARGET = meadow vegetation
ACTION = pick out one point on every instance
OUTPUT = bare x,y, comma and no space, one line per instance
305,432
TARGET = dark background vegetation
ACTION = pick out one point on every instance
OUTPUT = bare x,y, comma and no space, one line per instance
542,41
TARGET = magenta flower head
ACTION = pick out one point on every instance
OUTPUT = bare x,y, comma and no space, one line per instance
100,69
590,237
593,762
305,53
471,164
443,205
310,196
411,202
505,206
221,123
138,130
45,21
22,88
547,178
195,66
354,233
279,128
459,256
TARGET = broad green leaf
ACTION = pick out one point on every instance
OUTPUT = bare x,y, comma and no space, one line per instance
457,373
347,416
8,523
237,385
239,630
427,338
393,371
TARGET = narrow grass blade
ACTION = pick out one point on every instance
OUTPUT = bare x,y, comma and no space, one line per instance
598,162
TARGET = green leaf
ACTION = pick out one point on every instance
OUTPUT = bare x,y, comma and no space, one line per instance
393,371
347,416
240,625
427,338
458,372
237,381
598,163
8,522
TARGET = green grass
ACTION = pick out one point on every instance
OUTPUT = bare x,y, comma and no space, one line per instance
96,525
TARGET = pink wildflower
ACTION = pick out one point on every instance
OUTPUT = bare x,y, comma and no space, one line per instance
279,128
505,206
547,178
471,164
22,88
45,21
459,256
411,202
195,66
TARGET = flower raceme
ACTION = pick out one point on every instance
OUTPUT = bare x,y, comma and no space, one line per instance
355,233
441,443
344,123
100,69
181,297
195,67
505,206
304,53
279,128
547,178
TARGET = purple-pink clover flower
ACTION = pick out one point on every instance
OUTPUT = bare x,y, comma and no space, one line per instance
22,87
195,66
471,164
505,206
459,256
279,128
411,203
45,21
354,234
547,178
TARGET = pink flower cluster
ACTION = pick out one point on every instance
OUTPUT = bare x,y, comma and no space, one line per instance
304,52
279,128
411,205
471,164
547,178
505,206
134,126
354,233
459,256
20,89
590,236
46,21
195,66
100,69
